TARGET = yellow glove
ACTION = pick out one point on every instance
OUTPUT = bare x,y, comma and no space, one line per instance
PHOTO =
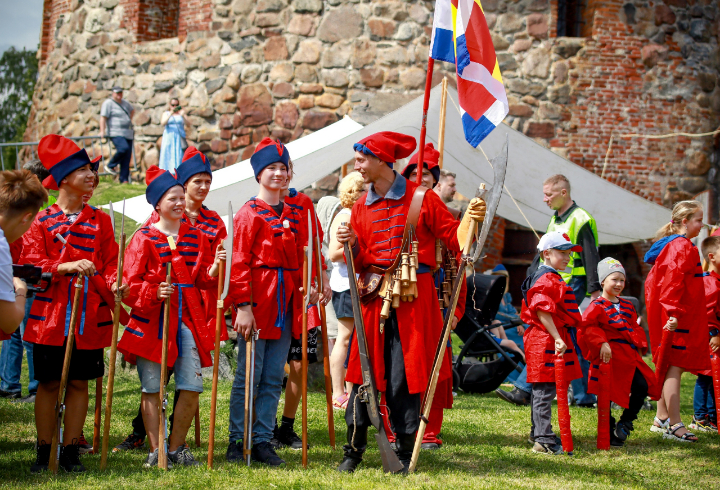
475,214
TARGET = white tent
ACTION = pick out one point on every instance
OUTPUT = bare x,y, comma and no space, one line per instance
324,151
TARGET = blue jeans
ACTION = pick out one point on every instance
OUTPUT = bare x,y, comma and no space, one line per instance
704,397
11,358
270,357
518,339
521,382
122,157
580,385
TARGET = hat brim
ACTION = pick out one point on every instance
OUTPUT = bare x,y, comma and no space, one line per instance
570,246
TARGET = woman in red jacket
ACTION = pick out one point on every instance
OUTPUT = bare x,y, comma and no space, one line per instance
677,318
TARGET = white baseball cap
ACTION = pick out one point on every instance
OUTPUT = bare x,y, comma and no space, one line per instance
557,240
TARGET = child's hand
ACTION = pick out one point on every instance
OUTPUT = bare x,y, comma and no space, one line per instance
244,321
605,352
671,324
314,295
560,347
124,290
82,267
715,343
165,290
220,255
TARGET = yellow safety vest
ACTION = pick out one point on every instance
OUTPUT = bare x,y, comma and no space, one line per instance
572,226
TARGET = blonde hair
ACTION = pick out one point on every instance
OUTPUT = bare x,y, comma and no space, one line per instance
558,180
351,188
682,210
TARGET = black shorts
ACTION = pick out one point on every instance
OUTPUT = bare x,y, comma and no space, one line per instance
84,364
342,303
295,353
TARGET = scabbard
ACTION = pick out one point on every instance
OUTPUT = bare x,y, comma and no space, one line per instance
562,403
603,407
715,364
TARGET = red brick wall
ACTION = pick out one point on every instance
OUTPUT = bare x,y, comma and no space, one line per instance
195,15
493,245
52,9
151,20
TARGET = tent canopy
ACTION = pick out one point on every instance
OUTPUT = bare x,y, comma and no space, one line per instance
529,164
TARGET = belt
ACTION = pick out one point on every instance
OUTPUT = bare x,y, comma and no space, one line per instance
280,295
68,307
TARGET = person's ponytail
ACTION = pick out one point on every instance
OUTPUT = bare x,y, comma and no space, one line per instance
682,210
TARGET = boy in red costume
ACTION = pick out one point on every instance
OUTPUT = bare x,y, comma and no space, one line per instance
610,331
551,313
401,354
705,416
676,313
69,239
190,337
262,286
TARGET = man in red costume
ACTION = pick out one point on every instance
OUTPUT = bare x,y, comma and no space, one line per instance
401,354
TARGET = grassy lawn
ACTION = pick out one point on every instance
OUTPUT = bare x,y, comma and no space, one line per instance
485,447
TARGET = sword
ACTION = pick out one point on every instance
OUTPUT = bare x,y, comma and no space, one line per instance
307,275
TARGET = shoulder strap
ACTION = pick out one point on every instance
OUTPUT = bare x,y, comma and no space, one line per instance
121,107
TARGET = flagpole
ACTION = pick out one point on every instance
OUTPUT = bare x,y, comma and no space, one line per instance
443,108
423,127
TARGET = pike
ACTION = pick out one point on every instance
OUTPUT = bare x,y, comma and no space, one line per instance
113,343
307,281
499,164
223,289
162,428
367,392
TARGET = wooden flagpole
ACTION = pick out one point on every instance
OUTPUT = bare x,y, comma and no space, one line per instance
423,128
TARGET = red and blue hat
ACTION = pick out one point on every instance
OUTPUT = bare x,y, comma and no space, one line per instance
194,162
268,152
158,182
431,157
388,146
61,157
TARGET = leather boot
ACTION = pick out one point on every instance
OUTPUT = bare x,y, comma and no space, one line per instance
405,444
353,457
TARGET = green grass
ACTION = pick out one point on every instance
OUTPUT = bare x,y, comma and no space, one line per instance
485,447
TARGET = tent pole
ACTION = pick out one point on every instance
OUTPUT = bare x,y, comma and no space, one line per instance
423,128
443,108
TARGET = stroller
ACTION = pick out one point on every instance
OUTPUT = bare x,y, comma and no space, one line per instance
482,364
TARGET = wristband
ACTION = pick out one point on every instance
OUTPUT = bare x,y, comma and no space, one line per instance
714,332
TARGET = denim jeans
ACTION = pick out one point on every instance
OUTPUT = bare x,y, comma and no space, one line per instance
580,385
521,382
518,339
122,157
270,357
704,397
11,358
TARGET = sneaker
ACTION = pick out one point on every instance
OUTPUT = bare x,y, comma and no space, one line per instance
182,456
703,424
287,437
531,440
543,448
26,399
42,458
133,441
430,446
10,394
84,446
615,442
111,170
516,396
623,430
70,458
264,453
152,460
234,452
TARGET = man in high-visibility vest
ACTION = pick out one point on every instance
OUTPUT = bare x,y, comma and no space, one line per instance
580,275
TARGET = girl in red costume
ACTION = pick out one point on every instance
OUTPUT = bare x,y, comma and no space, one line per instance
191,338
677,318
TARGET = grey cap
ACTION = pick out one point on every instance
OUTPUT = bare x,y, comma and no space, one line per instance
607,266
117,89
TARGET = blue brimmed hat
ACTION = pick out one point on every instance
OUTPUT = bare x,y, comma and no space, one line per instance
194,162
61,157
267,153
158,182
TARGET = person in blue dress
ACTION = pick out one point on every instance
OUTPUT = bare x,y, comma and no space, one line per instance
173,139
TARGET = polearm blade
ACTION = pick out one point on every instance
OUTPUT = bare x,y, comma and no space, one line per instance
499,164
112,216
309,252
228,245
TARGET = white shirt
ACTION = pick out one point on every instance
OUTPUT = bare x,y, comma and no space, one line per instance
339,281
7,290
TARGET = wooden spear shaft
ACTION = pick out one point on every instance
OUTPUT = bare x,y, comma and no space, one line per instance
219,324
443,108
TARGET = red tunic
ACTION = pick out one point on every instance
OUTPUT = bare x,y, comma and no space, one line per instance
675,288
602,323
90,237
379,229
712,301
213,227
146,261
546,291
264,256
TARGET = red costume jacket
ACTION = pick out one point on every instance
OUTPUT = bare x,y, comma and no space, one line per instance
90,237
265,254
546,291
675,288
603,323
712,301
213,227
378,224
146,261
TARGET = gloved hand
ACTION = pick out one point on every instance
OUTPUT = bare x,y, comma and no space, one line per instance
475,212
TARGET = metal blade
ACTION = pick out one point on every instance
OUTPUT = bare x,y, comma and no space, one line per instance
310,258
122,222
228,244
499,164
112,217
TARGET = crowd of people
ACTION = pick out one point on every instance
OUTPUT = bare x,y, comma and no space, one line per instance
380,215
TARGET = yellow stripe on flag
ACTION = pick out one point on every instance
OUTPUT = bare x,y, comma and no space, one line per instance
496,72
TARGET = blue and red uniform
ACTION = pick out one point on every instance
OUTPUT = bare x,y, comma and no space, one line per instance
712,302
90,237
146,261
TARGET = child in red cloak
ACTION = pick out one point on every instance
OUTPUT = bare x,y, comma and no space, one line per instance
610,331
676,313
551,313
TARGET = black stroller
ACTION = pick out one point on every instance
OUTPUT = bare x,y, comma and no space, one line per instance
482,364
